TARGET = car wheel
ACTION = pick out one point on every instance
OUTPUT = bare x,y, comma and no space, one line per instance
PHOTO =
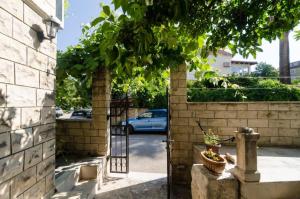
130,129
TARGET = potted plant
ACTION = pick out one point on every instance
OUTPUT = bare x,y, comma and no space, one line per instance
213,161
212,141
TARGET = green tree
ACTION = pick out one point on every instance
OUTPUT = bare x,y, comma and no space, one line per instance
265,70
239,25
166,33
147,39
72,93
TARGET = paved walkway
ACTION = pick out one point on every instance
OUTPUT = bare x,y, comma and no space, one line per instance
147,178
135,185
138,185
147,153
275,164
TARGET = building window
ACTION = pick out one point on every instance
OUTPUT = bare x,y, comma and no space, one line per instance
293,71
226,64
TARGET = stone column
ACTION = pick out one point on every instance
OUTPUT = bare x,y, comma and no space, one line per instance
101,94
181,154
246,168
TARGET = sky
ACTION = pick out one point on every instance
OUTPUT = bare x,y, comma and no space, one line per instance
80,12
83,11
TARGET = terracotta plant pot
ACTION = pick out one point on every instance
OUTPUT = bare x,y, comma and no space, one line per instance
214,148
214,166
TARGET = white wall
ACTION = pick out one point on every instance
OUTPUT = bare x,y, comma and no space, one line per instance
217,63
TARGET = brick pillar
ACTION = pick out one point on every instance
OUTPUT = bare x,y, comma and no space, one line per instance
181,156
101,94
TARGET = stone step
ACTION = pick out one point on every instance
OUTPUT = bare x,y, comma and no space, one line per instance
79,179
66,180
82,190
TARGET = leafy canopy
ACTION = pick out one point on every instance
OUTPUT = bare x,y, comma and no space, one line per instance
240,25
265,70
146,39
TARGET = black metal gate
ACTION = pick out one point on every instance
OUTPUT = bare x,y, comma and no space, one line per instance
119,140
169,149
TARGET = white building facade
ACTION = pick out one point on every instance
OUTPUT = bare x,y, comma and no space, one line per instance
224,65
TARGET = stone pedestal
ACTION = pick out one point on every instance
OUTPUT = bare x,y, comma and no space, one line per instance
246,168
205,185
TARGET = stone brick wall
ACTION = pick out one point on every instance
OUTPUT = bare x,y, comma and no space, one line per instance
277,122
27,107
88,136
80,136
77,136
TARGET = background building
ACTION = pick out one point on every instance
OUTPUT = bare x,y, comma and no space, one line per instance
224,65
295,70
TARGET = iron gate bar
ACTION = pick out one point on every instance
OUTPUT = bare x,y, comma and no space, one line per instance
169,148
119,163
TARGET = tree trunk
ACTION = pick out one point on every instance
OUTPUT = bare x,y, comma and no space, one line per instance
284,59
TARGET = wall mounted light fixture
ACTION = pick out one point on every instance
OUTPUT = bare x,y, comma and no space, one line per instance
52,27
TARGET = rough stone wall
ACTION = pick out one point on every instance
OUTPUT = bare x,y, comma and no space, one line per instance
27,107
277,122
205,185
89,136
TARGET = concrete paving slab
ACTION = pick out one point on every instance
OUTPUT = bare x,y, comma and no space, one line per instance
147,153
134,185
276,164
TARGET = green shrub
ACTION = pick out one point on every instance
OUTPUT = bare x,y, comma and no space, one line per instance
296,82
244,81
248,89
145,97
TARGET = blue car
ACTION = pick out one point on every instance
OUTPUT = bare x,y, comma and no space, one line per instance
154,120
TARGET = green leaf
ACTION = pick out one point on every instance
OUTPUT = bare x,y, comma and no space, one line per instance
210,74
97,21
117,3
78,66
132,59
106,10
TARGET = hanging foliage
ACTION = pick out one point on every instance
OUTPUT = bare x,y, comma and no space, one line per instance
149,37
